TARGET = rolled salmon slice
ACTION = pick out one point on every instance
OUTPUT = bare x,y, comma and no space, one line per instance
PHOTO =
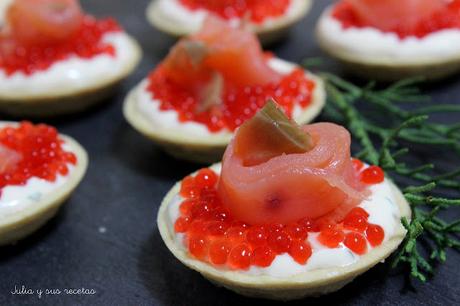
234,53
320,183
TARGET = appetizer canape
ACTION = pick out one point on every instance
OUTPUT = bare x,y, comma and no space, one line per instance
269,19
393,39
287,214
55,59
209,84
39,169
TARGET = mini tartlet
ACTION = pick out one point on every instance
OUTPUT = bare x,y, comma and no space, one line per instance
184,17
64,65
265,252
209,84
28,201
392,40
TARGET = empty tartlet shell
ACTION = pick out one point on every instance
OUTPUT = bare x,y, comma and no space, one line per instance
312,283
386,68
62,100
16,227
207,148
267,33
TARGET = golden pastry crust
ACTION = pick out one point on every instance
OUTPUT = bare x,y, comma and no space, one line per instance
267,33
63,100
21,224
312,283
206,148
387,68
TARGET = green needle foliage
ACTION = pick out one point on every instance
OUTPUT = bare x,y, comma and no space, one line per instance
385,143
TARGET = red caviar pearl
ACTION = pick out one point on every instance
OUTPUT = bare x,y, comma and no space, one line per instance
197,227
372,175
198,246
357,164
375,234
182,224
356,242
310,225
206,178
331,237
300,251
257,236
263,256
356,220
279,241
188,188
240,257
218,252
217,228
297,231
236,233
186,207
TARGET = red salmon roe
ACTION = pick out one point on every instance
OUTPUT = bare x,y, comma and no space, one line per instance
257,236
198,246
448,18
372,175
375,234
86,43
263,256
331,237
240,257
279,241
356,220
206,178
228,9
238,104
218,252
357,164
310,225
300,251
40,152
213,235
181,225
356,242
297,231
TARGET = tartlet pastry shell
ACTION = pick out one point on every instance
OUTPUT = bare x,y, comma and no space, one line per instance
25,222
313,283
387,68
267,33
62,101
207,148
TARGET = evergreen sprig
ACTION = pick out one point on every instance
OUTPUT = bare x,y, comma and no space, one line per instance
385,142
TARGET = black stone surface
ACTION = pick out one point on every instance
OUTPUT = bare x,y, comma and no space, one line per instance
105,238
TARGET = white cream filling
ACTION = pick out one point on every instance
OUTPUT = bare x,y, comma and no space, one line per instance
193,19
73,74
371,43
160,119
381,206
14,199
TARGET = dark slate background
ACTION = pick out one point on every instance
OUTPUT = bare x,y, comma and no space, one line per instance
105,238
